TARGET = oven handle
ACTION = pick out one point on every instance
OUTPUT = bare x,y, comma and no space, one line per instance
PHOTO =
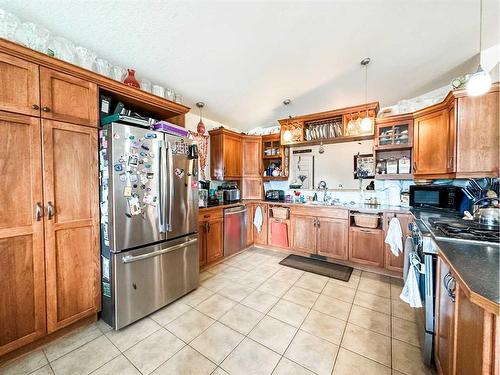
131,258
447,280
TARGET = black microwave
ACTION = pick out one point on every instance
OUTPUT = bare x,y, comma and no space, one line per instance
441,196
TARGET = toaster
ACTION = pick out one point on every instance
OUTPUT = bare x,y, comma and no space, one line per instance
275,195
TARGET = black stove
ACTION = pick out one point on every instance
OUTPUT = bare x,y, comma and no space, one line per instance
464,230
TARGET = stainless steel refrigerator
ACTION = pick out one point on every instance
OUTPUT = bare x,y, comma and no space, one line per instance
149,221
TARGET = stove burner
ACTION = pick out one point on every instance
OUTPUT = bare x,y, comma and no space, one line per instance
466,231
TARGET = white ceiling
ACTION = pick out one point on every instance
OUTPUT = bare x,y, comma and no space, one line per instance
244,57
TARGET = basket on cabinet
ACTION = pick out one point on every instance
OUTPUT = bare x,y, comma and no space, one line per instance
366,220
280,212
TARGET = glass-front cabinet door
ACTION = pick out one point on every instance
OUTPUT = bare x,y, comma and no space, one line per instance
394,135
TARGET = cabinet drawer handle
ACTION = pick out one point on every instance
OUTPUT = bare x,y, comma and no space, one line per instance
39,212
46,109
50,210
414,167
35,106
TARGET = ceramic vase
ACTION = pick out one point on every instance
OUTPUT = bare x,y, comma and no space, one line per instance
130,79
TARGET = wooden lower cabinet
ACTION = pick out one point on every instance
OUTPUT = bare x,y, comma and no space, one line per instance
467,334
70,182
49,252
215,239
445,316
210,235
260,238
276,238
202,242
303,233
249,223
332,237
392,262
22,262
366,246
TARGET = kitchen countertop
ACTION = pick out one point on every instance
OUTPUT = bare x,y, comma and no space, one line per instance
475,265
347,206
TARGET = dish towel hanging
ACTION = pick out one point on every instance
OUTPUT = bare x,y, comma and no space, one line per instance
394,236
411,293
257,219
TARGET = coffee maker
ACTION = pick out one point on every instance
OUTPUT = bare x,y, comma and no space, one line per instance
203,190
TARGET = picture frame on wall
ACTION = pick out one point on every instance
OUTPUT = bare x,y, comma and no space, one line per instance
365,162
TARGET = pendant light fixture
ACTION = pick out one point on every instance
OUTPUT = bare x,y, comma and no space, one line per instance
480,82
366,123
200,129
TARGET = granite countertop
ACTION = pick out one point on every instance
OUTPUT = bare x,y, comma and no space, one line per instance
475,264
347,206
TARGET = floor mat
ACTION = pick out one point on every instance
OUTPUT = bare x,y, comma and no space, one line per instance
320,267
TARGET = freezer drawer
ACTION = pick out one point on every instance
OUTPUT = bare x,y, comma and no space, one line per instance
149,278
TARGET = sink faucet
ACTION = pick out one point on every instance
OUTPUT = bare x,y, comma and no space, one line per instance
322,186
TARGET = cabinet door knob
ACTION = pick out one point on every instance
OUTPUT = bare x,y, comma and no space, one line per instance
46,109
35,106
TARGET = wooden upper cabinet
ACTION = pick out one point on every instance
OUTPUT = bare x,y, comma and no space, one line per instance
19,90
232,156
251,188
396,263
477,144
332,238
67,98
366,246
303,230
225,154
22,269
431,144
72,222
251,166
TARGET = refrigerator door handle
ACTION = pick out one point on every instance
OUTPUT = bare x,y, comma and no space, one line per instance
170,176
131,258
161,188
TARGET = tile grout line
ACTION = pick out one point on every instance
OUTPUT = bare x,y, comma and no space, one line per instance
347,322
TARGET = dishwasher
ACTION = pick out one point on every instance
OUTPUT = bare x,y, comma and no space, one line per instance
235,229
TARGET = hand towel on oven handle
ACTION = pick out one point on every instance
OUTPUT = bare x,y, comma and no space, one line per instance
411,292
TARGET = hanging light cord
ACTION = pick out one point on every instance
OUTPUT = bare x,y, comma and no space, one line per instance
480,27
366,89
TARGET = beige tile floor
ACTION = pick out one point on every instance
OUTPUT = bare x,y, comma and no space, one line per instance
251,315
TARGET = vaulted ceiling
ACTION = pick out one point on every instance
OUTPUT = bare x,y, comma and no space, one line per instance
244,57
